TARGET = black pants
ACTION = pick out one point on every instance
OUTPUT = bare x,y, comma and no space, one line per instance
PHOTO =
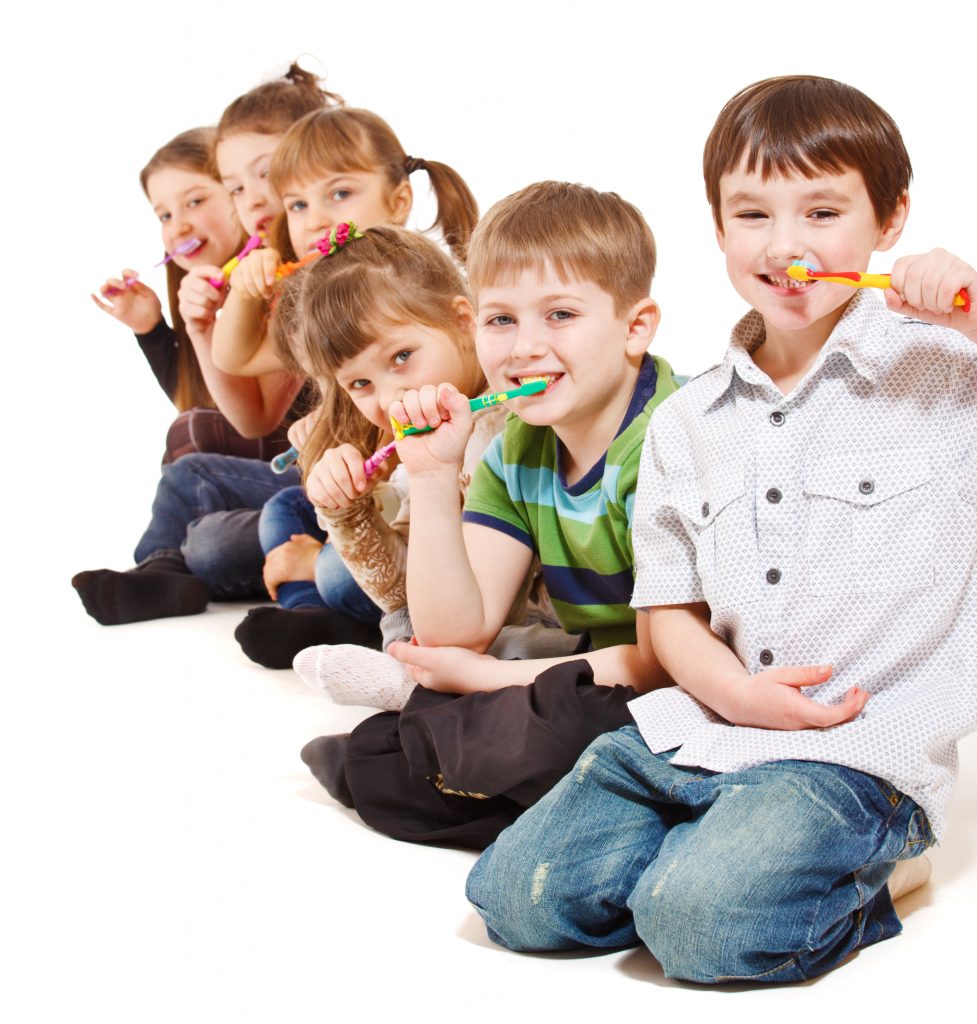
458,769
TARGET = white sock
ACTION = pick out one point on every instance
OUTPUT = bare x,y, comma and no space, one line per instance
349,674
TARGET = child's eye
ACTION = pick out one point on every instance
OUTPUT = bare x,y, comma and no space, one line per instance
358,385
401,357
824,214
502,320
164,217
340,194
236,191
562,315
750,215
195,202
297,206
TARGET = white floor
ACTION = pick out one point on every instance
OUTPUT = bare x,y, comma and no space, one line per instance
169,858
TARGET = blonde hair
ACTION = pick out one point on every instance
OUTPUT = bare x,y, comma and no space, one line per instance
190,150
346,139
595,236
338,306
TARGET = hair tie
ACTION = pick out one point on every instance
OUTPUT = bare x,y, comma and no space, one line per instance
338,237
414,163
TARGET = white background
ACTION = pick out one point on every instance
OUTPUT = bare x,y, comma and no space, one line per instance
158,868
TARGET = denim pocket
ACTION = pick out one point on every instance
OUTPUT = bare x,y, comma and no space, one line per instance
869,522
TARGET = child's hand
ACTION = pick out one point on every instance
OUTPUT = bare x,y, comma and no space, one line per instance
198,299
290,562
254,276
771,700
923,287
449,669
138,306
300,431
446,409
338,479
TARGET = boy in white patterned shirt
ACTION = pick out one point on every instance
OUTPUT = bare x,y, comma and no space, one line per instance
806,516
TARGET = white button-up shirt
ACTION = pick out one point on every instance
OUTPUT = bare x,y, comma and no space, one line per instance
837,524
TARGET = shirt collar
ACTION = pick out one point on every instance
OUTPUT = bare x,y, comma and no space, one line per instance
847,340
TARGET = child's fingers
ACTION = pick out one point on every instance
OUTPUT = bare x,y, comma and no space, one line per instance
822,716
414,410
104,306
353,462
800,675
430,406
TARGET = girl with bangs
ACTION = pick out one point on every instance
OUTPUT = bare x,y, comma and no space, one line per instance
202,541
387,312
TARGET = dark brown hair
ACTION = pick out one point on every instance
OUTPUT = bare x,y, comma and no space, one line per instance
348,139
338,306
596,235
802,124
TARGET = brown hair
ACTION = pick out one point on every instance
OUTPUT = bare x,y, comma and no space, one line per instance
337,307
596,235
190,150
802,124
273,107
348,139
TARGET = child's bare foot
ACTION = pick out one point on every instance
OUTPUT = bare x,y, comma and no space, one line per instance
909,875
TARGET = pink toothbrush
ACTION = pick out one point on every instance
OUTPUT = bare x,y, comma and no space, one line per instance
373,463
190,245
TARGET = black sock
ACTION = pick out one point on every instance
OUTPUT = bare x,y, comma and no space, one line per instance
273,636
326,758
113,598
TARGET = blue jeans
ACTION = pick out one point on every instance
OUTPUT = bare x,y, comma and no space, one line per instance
288,512
206,509
771,874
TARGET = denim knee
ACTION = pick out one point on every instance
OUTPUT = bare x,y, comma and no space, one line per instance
222,549
285,513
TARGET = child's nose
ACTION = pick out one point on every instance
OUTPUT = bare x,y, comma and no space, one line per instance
785,243
529,343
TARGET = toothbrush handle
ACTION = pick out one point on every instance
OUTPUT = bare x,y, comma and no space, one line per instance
961,299
281,462
252,243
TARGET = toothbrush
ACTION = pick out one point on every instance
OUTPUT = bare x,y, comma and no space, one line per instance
190,245
326,246
252,243
533,386
801,270
281,462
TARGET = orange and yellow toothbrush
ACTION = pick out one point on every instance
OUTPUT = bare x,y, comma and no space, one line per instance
801,270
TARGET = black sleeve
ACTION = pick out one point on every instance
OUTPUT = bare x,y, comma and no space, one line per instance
159,346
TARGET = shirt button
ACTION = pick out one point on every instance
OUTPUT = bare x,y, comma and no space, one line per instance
773,575
766,657
777,418
773,496
866,487
705,510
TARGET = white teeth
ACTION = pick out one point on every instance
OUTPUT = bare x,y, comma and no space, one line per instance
787,282
550,378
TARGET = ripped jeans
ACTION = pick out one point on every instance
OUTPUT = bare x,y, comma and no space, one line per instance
774,873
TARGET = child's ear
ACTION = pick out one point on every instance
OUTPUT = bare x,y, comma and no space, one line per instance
400,202
896,221
465,313
643,319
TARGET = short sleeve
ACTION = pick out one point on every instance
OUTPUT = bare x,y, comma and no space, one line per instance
489,501
664,553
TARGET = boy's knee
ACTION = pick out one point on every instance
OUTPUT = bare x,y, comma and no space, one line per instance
506,888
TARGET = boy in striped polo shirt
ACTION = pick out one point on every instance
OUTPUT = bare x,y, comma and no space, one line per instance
561,276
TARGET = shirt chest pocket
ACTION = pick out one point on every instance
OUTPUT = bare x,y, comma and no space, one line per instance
869,526
721,525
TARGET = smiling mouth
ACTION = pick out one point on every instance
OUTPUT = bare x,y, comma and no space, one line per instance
783,281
